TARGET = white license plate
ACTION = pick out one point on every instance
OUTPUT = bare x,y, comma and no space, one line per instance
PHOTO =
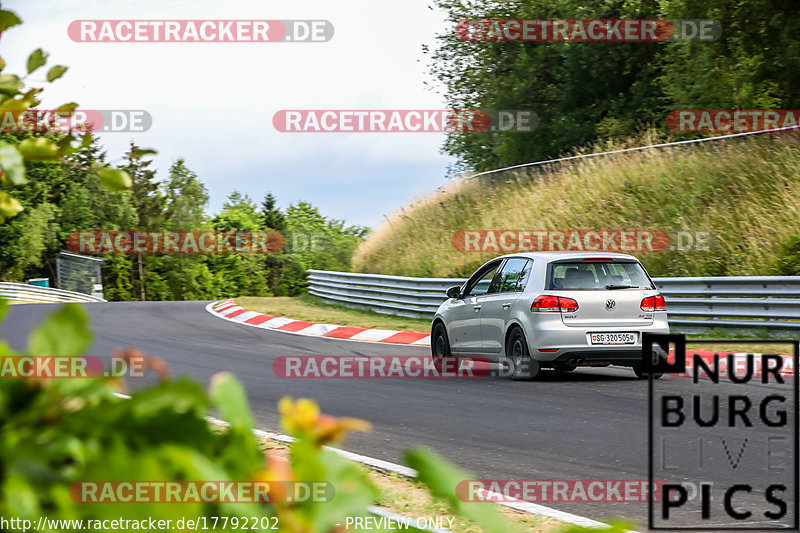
613,338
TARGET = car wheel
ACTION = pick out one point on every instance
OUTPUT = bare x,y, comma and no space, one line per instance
440,346
563,367
638,369
521,365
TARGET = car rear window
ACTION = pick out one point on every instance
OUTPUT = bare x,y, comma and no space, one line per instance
592,275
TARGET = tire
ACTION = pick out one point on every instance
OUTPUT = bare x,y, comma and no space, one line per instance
521,365
641,374
563,367
440,346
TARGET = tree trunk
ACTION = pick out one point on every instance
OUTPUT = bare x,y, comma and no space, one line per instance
141,278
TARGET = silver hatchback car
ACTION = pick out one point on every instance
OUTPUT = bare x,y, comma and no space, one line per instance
556,310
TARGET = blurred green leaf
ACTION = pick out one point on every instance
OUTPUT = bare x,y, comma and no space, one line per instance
11,163
615,527
4,305
141,152
86,139
114,178
64,333
8,19
442,479
9,206
10,84
38,148
229,396
65,146
20,496
71,106
5,351
353,492
56,72
16,104
37,58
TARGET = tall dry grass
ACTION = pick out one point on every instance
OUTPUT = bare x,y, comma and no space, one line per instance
745,191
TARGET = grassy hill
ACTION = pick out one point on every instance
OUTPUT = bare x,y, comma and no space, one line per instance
745,191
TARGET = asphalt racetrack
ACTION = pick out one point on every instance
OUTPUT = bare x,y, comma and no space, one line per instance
590,424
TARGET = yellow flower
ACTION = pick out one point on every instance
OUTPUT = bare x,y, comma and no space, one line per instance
304,416
297,416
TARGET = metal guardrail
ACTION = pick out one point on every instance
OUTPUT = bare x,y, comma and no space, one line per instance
693,304
20,293
741,302
397,295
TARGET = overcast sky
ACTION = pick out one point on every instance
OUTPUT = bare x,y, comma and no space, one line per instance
212,103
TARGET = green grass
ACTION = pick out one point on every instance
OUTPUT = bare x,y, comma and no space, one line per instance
313,309
745,192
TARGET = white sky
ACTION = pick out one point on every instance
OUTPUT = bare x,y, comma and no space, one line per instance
212,104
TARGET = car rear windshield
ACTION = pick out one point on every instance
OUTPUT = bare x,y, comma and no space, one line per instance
593,275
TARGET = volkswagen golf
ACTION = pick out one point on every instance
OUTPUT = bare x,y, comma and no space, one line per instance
558,310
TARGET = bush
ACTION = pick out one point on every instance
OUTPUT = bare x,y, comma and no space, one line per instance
789,257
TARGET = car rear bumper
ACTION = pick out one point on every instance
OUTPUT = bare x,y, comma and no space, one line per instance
599,357
572,343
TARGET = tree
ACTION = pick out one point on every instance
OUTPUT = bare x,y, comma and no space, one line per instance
148,201
320,242
574,88
583,92
239,213
273,218
751,66
147,198
187,198
243,273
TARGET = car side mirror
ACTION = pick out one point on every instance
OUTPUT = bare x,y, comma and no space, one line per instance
454,292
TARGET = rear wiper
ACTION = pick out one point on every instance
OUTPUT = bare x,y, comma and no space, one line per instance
614,287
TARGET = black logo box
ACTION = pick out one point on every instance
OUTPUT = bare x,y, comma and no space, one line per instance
654,364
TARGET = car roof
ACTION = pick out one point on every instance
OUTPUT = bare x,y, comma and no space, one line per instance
556,256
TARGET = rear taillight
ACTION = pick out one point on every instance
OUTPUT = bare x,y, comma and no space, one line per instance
654,303
554,304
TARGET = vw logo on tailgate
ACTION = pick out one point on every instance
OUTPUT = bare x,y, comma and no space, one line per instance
610,304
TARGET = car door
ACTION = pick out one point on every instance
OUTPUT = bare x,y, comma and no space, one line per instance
464,317
496,304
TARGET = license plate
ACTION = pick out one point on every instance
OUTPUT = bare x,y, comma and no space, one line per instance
613,338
